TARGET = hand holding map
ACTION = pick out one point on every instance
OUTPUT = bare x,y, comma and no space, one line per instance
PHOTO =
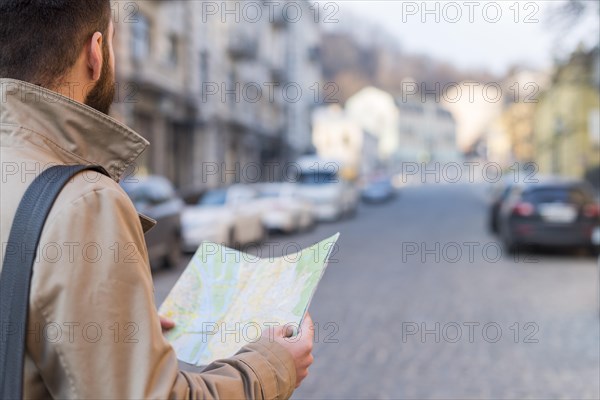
225,298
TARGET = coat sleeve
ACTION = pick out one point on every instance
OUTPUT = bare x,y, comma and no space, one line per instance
93,327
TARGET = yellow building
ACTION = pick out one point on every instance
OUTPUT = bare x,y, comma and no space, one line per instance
565,122
521,89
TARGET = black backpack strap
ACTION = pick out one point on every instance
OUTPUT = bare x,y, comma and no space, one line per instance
17,268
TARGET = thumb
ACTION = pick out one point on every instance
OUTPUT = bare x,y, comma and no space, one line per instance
284,331
307,326
307,322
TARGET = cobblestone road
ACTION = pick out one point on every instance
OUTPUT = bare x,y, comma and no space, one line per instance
420,304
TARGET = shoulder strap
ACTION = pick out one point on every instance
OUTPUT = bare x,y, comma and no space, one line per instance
17,268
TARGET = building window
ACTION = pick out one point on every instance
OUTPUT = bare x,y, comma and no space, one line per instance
230,93
204,72
141,38
173,55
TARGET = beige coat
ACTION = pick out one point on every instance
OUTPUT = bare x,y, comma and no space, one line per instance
93,329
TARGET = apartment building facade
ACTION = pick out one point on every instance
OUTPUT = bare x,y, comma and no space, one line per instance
208,84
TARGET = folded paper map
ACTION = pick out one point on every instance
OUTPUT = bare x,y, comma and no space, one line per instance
225,298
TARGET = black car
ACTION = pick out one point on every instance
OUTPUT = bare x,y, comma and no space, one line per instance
154,196
557,213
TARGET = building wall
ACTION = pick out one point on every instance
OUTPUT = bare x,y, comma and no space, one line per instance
376,112
177,64
427,131
564,119
337,136
304,70
152,76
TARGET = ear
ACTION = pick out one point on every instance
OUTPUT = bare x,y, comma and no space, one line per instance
95,56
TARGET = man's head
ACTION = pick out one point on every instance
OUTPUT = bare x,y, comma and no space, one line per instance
62,45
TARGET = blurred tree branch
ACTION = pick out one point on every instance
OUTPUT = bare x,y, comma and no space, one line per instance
563,18
570,12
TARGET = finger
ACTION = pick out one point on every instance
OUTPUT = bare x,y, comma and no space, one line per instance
277,332
288,331
307,322
166,323
307,327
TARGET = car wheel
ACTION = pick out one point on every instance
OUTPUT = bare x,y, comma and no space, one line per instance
231,238
493,225
510,246
296,226
173,257
264,235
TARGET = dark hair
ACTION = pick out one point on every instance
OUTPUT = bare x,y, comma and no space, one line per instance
40,40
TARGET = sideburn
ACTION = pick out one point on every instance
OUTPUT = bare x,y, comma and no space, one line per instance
102,94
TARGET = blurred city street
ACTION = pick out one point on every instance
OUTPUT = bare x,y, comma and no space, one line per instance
418,304
454,145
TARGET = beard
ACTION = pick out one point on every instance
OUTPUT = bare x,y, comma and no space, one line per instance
102,94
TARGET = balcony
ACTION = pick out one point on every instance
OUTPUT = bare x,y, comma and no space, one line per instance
243,117
243,46
279,74
279,19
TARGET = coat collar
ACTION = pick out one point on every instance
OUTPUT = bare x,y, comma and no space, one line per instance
78,131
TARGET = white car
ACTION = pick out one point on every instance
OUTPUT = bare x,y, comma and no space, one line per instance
283,209
247,227
221,216
331,195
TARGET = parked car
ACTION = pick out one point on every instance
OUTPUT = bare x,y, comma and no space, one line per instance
331,195
247,226
155,197
378,190
282,209
226,216
208,220
501,190
552,212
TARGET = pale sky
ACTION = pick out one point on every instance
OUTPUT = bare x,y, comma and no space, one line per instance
524,38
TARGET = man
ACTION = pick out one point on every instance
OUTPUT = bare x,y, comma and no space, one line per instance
93,330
